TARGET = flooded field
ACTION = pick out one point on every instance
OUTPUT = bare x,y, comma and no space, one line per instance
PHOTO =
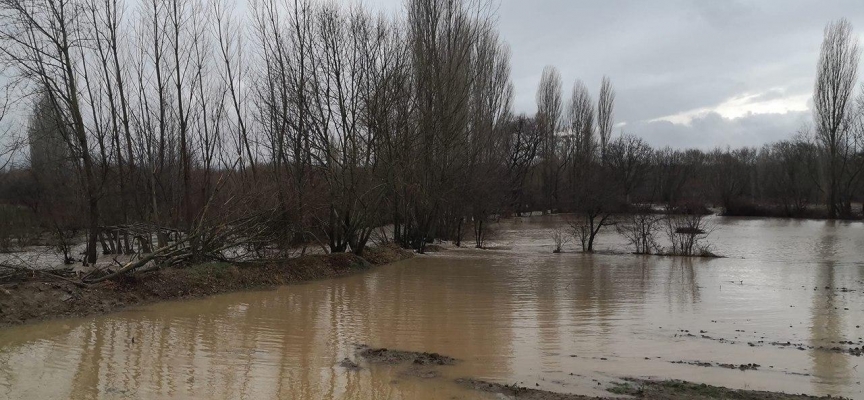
788,301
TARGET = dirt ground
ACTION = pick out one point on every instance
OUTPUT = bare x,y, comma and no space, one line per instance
423,365
37,299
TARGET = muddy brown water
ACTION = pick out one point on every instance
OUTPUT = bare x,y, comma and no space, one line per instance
517,313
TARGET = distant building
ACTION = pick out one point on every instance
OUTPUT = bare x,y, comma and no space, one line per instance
50,158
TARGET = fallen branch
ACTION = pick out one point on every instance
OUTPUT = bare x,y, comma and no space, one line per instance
166,251
44,273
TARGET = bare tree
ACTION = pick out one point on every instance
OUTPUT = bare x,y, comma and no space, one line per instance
549,110
629,160
674,171
9,145
605,114
640,228
576,153
730,176
593,206
856,151
836,74
298,123
234,72
43,41
687,233
441,37
788,176
521,144
560,237
490,113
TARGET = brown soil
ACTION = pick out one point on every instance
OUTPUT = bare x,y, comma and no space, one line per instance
36,299
674,390
516,391
640,389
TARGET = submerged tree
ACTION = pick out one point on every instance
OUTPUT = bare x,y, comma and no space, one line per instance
687,233
640,229
593,207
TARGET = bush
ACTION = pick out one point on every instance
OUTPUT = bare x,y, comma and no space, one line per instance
639,229
560,238
686,233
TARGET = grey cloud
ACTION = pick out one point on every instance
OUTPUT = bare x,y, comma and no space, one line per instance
770,95
669,57
712,130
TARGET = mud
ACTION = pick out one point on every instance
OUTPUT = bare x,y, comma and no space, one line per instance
674,389
424,365
516,391
349,365
742,367
852,348
37,299
412,364
392,357
640,389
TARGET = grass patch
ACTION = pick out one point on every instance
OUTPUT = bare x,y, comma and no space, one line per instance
625,388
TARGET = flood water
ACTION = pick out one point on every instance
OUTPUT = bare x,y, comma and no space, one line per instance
516,313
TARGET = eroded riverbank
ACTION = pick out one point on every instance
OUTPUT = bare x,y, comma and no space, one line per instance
40,299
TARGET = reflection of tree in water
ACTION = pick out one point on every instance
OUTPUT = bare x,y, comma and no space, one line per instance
549,292
826,246
605,293
282,344
682,288
830,369
645,270
603,289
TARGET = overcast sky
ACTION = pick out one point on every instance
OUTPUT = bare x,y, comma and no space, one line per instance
687,73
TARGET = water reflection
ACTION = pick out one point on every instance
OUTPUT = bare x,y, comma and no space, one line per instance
683,289
829,368
522,314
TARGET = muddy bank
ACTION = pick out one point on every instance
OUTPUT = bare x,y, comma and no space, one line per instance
38,299
421,364
640,389
516,391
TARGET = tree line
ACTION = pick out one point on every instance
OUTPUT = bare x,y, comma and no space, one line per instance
290,123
